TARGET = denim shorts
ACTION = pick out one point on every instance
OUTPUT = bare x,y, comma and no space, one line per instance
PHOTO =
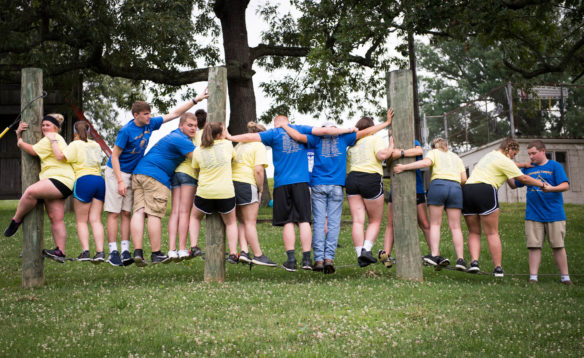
445,193
179,179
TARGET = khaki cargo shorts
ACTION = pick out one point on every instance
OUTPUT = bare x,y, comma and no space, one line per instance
150,194
536,232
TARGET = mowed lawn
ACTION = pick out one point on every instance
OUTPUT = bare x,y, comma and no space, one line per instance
167,310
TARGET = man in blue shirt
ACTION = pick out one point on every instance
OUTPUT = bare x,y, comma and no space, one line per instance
129,148
151,186
326,184
544,211
291,193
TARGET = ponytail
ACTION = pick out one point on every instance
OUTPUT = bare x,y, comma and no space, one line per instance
81,128
211,131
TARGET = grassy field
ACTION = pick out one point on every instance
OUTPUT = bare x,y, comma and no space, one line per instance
167,310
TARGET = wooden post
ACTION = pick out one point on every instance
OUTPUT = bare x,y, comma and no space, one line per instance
32,227
214,227
407,243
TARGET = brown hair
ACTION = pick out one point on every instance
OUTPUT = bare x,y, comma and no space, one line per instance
59,117
440,143
364,123
140,106
211,131
538,144
81,128
187,115
201,118
253,127
508,144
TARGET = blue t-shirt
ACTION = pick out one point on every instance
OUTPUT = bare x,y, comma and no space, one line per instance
289,157
161,161
419,176
545,207
133,141
330,159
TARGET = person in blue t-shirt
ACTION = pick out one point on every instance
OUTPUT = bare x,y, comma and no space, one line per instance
326,184
151,186
291,193
422,211
544,211
129,148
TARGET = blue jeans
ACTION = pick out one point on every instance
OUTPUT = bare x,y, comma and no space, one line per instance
327,202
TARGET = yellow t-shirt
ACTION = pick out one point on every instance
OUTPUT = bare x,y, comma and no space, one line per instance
215,170
84,157
445,165
247,156
361,157
494,168
187,166
50,166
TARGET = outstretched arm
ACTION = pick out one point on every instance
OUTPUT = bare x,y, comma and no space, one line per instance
422,163
244,138
320,131
403,153
294,134
372,130
178,111
386,152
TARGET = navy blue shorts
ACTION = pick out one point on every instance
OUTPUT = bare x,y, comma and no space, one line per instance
179,179
88,187
445,193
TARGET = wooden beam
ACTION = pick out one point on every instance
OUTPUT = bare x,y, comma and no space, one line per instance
32,227
214,227
403,186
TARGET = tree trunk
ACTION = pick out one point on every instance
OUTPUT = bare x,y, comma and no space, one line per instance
238,61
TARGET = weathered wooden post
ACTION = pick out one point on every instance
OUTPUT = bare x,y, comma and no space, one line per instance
407,244
33,274
214,227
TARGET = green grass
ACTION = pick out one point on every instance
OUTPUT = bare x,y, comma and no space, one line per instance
167,310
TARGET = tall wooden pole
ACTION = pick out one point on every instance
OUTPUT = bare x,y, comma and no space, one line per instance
403,186
33,274
214,227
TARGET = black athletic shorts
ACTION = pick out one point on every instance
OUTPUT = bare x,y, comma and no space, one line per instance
479,199
64,189
245,193
420,198
209,206
368,185
292,204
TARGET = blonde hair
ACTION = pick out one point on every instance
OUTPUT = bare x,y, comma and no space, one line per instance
59,117
508,144
440,143
253,127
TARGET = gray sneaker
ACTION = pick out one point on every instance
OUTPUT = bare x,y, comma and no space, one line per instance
262,261
98,258
160,258
498,272
474,267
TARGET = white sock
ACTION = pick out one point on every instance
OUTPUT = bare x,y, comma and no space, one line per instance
358,250
125,245
113,246
368,245
565,278
533,277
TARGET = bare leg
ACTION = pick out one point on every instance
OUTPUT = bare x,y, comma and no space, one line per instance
456,231
125,225
154,232
305,236
423,221
230,230
491,226
56,213
388,237
561,260
435,224
289,236
374,210
473,222
112,227
137,226
96,225
82,216
534,260
43,189
173,219
357,208
195,225
187,193
249,214
241,229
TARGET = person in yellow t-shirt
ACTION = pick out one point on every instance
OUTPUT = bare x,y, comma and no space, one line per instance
85,157
55,184
364,187
248,181
183,185
444,192
481,205
215,193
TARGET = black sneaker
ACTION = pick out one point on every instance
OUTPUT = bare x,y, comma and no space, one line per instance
139,258
498,272
366,258
290,266
127,259
244,257
461,265
160,258
318,266
430,260
442,261
262,261
195,251
329,266
98,258
55,254
474,267
232,258
84,256
385,259
114,259
307,264
12,228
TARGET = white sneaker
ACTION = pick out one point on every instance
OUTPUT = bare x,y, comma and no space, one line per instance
173,255
183,254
